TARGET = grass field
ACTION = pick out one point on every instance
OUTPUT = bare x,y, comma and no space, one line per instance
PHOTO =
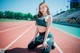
10,20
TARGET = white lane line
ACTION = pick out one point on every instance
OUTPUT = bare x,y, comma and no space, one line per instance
17,38
58,48
9,25
66,32
11,28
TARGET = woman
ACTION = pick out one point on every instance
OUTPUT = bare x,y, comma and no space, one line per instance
43,24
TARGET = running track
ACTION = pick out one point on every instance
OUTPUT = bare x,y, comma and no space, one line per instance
15,36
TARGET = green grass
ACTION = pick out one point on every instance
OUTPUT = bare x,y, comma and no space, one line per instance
10,20
69,29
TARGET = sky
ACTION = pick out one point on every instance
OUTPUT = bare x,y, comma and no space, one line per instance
31,6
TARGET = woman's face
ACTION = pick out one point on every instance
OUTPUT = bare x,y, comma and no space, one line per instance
43,9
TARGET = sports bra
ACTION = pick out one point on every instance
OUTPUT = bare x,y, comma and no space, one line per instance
41,21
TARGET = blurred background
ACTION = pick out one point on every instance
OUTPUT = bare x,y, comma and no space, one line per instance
65,12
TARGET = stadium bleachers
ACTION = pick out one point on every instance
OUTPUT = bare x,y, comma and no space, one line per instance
70,17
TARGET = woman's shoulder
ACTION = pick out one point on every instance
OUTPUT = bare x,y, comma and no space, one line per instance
49,17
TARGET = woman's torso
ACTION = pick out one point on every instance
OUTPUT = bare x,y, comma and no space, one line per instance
41,24
41,28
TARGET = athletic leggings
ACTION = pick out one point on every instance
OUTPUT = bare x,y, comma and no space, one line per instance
39,40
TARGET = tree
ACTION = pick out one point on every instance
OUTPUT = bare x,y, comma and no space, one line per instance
1,14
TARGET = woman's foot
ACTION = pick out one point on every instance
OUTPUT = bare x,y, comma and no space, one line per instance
53,47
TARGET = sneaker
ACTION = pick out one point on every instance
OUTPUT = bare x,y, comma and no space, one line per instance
53,47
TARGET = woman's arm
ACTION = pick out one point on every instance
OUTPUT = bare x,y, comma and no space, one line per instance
36,32
49,22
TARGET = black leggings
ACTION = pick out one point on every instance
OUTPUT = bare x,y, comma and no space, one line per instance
39,40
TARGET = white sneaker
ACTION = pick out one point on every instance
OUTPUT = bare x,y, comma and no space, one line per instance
1,51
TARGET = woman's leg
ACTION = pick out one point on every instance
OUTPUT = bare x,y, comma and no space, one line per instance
50,44
34,44
47,50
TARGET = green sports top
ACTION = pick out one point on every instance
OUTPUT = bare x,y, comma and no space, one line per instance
41,21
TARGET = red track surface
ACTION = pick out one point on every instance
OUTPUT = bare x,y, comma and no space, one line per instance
66,43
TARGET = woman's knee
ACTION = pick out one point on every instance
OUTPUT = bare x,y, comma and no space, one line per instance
51,44
31,45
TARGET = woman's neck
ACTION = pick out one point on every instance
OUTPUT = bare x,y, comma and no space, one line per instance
44,14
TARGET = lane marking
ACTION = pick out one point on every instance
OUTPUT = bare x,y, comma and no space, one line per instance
66,32
17,38
58,48
9,25
11,28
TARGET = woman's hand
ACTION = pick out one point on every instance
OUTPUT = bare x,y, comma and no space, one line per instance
33,40
45,45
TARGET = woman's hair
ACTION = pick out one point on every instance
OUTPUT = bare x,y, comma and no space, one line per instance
39,13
